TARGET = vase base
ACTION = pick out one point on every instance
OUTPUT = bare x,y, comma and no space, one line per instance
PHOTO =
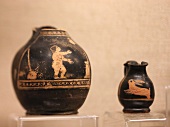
136,110
51,113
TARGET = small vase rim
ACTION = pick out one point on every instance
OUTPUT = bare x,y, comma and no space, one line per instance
134,63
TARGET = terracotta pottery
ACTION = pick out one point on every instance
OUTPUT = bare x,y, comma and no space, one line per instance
136,90
51,73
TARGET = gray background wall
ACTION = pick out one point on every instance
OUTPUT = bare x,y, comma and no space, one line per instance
110,31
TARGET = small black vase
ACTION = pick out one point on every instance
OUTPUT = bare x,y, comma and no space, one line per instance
136,90
51,74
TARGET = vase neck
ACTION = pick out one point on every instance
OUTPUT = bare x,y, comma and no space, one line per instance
139,70
132,67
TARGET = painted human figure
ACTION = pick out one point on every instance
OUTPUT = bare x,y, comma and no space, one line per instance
58,58
87,69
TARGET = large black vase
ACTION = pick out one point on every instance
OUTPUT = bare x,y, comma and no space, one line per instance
136,90
51,74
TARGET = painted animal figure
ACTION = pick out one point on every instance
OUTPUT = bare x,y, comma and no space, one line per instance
133,89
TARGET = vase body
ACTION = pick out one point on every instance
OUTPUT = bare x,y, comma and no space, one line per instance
136,90
51,73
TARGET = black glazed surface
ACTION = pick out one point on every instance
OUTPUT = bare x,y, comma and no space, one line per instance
136,90
51,73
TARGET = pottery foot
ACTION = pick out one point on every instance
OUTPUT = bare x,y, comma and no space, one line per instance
51,113
136,110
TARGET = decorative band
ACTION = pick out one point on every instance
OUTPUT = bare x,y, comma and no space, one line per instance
53,33
53,84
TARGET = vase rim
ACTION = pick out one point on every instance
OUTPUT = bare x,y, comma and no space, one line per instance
47,28
134,63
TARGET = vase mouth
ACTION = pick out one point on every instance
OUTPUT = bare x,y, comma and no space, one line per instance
49,31
35,29
135,63
48,27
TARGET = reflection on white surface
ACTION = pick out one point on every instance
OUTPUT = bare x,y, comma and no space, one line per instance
167,88
53,121
121,119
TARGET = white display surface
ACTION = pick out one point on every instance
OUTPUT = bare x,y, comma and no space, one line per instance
120,119
167,88
53,121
